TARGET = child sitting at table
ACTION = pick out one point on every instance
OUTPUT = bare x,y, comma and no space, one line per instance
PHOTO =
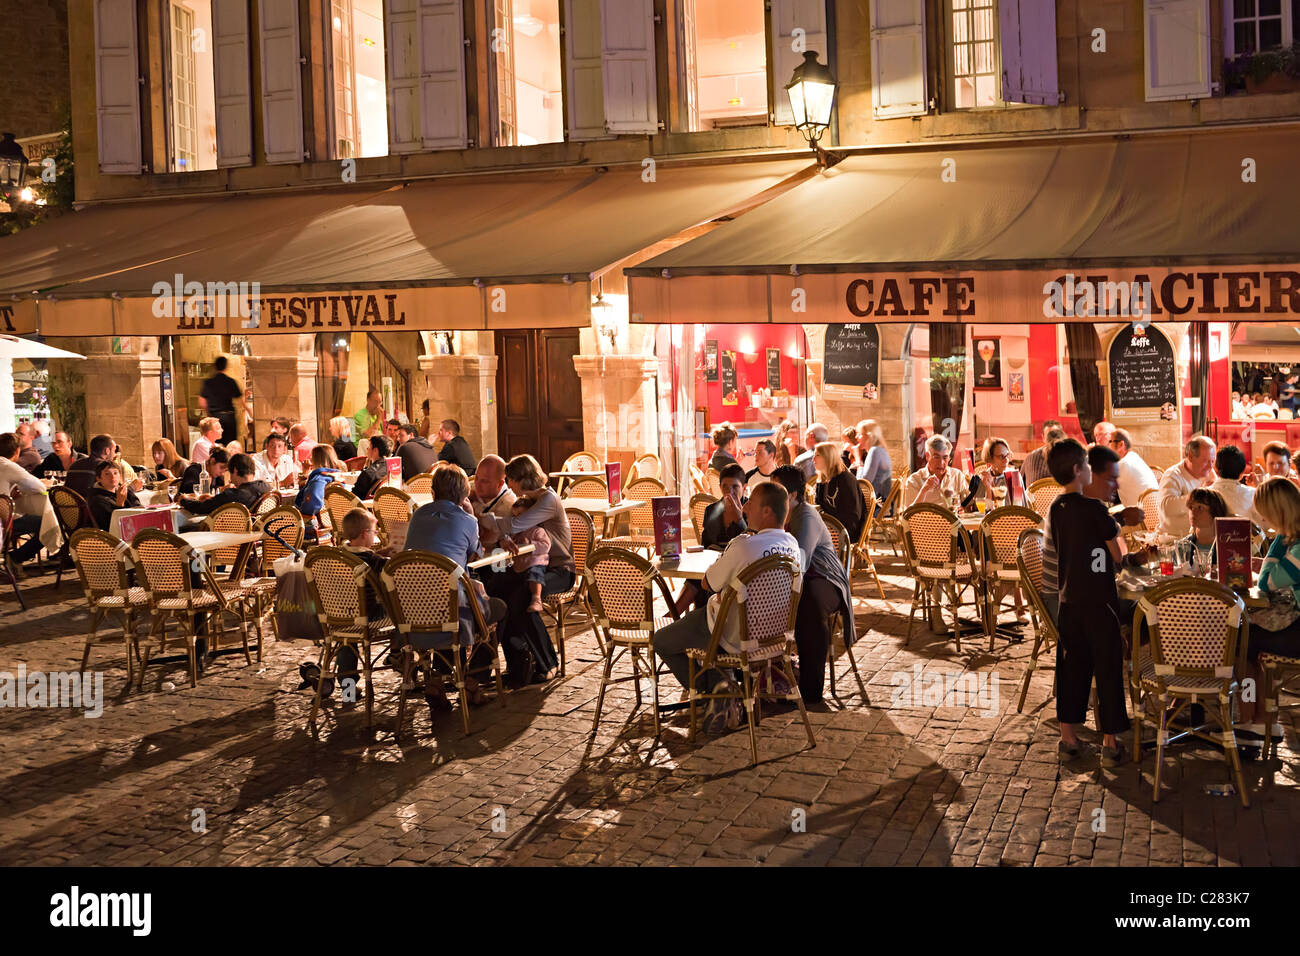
532,565
360,534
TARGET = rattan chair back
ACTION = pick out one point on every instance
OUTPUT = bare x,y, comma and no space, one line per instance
336,579
766,596
1043,492
699,505
101,561
1029,562
931,535
421,484
641,521
423,591
1000,532
648,466
839,538
266,504
235,518
164,560
338,502
588,488
392,506
618,588
1195,626
582,536
1149,502
287,522
713,482
581,461
70,509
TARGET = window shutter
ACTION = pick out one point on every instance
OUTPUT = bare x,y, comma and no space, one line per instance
584,68
897,58
1028,35
628,75
281,80
117,86
1177,49
788,16
687,73
402,48
443,124
233,89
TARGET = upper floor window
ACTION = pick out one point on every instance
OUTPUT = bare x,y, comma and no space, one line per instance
359,117
528,98
722,64
191,99
1261,24
974,53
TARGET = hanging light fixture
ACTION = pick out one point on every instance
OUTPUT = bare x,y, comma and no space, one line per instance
812,98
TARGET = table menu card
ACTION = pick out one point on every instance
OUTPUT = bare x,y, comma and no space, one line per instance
668,526
1232,545
613,472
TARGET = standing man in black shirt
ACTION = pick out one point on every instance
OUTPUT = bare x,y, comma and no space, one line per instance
1087,544
218,397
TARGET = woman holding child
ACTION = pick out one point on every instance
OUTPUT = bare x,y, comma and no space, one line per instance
530,654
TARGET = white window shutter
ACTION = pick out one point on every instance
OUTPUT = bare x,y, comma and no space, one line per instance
443,123
402,49
628,76
281,80
787,17
584,69
687,80
1177,49
230,59
117,86
1027,30
897,58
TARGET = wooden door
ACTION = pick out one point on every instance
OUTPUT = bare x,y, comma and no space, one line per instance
539,407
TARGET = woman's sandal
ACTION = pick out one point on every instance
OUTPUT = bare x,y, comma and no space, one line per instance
474,694
437,697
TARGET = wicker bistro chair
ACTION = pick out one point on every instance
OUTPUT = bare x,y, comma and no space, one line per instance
697,481
588,488
647,466
356,464
699,505
1196,628
766,597
336,580
102,563
8,571
622,607
561,605
266,504
1149,502
999,544
1278,670
423,593
581,461
421,484
890,520
1043,492
164,560
942,560
7,543
641,521
255,594
392,505
1029,562
73,514
713,482
287,522
338,502
861,551
844,551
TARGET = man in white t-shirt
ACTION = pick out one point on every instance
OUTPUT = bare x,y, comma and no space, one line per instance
1135,475
765,513
275,465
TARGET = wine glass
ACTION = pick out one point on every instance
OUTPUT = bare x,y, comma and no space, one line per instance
986,353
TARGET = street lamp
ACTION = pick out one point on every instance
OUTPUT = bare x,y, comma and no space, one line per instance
812,95
13,166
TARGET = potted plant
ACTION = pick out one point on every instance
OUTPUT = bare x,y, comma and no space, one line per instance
1265,71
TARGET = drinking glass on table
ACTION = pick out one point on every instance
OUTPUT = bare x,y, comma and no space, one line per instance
1166,560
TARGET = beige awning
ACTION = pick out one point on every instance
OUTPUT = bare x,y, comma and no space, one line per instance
1204,224
469,252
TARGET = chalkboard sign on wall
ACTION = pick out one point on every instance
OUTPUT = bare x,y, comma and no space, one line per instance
1143,375
774,369
852,360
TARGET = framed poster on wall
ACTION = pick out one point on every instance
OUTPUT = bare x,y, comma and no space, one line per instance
988,363
729,392
711,360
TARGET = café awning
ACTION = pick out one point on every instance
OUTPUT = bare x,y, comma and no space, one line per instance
1191,225
467,252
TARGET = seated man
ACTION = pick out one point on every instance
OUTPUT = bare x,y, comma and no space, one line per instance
18,484
244,489
209,437
109,493
416,453
1192,472
446,526
455,449
765,512
275,465
489,493
723,521
1236,483
375,473
216,465
936,483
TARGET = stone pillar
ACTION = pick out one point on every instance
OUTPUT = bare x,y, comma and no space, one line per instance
463,387
123,391
619,405
282,374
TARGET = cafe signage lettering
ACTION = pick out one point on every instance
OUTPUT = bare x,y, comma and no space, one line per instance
306,312
7,315
911,296
1177,293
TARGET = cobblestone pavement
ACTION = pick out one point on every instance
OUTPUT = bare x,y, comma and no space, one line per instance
885,784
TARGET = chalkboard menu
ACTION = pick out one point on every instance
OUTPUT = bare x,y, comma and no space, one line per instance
853,358
1143,375
774,369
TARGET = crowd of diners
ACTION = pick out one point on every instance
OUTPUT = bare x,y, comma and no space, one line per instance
481,504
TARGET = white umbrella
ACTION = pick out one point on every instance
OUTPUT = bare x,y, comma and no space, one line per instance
12,347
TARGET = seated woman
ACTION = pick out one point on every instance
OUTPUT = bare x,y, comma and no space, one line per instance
375,473
533,565
167,464
837,491
1204,505
995,457
1278,503
341,437
873,458
311,496
109,493
724,447
529,652
849,452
